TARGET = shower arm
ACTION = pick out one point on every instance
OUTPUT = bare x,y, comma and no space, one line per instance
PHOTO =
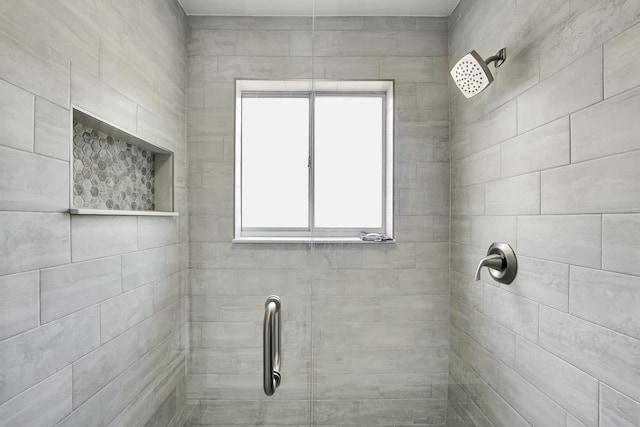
498,58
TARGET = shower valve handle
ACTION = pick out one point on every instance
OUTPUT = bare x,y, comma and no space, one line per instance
495,262
502,263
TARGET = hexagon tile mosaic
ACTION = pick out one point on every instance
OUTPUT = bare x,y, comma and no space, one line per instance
109,173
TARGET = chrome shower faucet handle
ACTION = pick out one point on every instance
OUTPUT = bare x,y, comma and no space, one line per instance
502,263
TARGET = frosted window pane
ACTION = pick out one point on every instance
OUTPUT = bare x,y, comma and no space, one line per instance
275,152
348,162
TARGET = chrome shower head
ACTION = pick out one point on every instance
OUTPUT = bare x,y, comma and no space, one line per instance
471,74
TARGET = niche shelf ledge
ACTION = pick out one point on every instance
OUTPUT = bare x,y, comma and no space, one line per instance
113,212
115,172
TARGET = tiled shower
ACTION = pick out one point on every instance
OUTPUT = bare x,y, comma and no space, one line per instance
155,318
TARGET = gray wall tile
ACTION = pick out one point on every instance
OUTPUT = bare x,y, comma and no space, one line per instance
464,259
45,74
609,357
574,239
339,23
466,290
586,27
565,59
407,69
76,41
542,148
96,236
610,185
109,402
422,43
19,307
16,117
354,43
565,384
488,229
140,409
375,386
519,314
38,240
156,129
480,359
123,77
70,288
51,134
95,370
519,195
263,43
399,256
468,200
125,311
621,62
612,120
156,328
493,336
542,281
41,184
616,409
27,359
166,291
411,276
145,45
480,167
432,96
607,299
52,397
573,421
488,130
373,413
155,232
620,250
352,68
537,408
570,89
96,97
140,268
238,411
461,230
497,409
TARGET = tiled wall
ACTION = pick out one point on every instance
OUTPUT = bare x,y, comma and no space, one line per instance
366,327
90,307
109,173
547,159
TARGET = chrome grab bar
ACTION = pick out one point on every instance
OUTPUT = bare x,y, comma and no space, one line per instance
272,344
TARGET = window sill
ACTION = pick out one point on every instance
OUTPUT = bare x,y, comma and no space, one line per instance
355,240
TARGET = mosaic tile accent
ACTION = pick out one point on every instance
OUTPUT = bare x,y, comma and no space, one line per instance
109,173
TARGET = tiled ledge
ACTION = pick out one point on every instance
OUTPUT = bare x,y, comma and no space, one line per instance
111,212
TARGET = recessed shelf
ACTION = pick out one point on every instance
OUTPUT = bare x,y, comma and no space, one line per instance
114,172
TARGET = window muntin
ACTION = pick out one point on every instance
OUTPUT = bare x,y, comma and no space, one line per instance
334,159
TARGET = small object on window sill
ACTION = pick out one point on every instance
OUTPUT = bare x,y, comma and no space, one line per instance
374,237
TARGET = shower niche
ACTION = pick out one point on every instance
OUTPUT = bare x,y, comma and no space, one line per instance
114,172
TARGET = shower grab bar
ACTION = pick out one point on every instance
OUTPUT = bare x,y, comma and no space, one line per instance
272,344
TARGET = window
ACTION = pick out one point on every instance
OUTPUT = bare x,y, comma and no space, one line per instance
313,160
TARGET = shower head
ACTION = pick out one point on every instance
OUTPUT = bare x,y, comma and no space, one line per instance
471,74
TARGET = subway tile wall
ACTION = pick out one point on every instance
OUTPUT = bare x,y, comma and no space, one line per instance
546,159
365,327
90,307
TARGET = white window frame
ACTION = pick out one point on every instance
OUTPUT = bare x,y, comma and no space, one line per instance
308,88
